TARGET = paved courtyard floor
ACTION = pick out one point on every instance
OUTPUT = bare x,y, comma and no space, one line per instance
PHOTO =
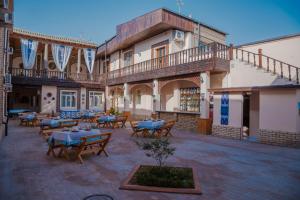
227,169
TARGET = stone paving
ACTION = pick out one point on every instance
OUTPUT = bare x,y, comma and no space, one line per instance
227,169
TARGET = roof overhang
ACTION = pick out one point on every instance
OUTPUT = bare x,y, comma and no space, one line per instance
252,89
146,26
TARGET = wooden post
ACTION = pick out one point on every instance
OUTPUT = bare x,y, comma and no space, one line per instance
259,57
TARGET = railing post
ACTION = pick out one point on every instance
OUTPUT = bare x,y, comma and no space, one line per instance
231,52
259,57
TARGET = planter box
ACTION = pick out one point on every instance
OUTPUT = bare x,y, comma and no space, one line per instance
125,185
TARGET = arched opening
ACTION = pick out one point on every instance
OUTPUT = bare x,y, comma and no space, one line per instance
116,99
141,101
172,99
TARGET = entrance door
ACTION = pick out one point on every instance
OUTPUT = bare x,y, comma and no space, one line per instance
246,116
160,54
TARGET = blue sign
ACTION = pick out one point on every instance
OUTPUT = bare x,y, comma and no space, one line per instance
224,108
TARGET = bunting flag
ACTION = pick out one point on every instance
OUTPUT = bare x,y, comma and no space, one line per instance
29,49
61,55
89,57
224,109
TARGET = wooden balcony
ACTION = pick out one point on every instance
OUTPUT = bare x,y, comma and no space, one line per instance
56,78
212,57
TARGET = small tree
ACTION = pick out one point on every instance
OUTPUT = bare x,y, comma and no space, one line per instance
158,149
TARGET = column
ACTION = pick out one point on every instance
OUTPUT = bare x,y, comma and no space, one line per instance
78,61
126,97
204,94
156,96
45,60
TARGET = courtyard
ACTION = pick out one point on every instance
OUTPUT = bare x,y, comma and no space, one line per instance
227,169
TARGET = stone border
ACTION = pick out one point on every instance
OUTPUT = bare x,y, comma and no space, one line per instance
279,138
126,186
226,131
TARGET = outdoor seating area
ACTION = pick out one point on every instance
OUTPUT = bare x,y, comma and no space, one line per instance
79,133
220,163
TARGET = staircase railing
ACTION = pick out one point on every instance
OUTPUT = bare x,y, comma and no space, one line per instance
272,65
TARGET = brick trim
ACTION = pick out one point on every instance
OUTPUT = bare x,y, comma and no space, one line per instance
279,138
227,131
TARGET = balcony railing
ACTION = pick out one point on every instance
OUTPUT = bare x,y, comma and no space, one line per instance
207,52
56,75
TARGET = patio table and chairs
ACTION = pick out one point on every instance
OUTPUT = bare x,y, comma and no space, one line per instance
47,126
81,141
29,119
107,121
149,127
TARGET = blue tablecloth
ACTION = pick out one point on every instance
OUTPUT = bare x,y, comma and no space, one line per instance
107,118
54,123
17,111
88,115
150,124
30,117
69,138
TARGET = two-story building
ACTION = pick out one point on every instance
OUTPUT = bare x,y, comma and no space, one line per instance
49,85
161,62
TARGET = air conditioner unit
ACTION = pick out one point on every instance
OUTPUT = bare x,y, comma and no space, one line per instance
179,36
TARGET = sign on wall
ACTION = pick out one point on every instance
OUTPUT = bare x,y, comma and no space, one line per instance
224,108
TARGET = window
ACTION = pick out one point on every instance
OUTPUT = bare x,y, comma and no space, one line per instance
138,99
5,4
95,100
160,53
68,99
128,58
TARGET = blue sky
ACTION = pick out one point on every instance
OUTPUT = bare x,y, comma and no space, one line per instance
96,20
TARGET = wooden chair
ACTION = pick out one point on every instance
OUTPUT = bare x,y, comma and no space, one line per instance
120,122
91,144
135,129
165,130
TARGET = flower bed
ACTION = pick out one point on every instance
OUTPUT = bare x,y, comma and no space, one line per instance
163,179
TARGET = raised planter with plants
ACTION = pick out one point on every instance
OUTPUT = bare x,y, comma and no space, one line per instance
161,178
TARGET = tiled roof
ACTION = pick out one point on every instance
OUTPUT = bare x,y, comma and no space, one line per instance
54,38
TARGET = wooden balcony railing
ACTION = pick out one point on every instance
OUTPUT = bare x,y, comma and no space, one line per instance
283,69
56,75
207,52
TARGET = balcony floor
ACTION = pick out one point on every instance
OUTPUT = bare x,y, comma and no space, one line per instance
227,169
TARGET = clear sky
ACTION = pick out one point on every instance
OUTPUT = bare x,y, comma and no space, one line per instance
96,20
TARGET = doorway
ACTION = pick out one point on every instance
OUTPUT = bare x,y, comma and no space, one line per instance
25,97
246,116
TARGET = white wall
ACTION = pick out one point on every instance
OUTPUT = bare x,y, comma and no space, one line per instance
278,110
245,75
235,110
142,50
286,50
48,104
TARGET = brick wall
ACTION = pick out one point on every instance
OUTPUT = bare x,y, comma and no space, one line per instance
226,131
184,121
279,138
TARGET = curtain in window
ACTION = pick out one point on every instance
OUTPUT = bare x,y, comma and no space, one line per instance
89,57
29,49
61,55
